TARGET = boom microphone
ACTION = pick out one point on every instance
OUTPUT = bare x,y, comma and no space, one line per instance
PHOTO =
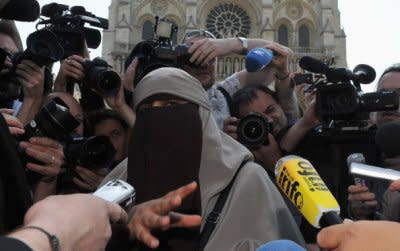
373,172
21,10
300,182
281,245
313,65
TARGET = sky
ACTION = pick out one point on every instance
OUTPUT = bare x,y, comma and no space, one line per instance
372,28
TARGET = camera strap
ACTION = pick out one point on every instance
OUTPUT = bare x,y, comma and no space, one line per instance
228,98
213,216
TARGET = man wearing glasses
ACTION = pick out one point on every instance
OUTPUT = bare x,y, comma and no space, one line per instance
205,48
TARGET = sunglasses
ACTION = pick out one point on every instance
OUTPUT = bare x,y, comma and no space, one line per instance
200,32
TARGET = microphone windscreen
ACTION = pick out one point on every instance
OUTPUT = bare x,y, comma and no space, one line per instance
21,10
281,245
257,59
387,139
313,65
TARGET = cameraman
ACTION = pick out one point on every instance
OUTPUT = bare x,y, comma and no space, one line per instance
28,74
364,201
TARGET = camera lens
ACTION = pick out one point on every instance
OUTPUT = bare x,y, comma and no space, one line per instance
108,83
253,130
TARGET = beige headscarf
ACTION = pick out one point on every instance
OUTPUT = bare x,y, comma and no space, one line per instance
221,154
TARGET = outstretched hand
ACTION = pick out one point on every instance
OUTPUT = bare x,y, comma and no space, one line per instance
158,214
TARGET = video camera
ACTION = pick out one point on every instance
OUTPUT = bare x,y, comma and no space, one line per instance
69,26
161,51
339,97
42,48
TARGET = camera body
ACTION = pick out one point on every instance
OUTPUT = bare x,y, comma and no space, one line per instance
42,48
253,130
53,121
92,153
101,78
340,102
161,51
69,26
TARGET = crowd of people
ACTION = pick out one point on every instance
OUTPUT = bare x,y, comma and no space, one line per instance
175,137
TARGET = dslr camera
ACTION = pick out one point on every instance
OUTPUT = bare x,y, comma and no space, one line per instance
253,129
101,78
340,99
161,51
92,153
53,121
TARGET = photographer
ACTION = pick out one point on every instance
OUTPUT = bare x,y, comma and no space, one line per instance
204,50
27,73
260,99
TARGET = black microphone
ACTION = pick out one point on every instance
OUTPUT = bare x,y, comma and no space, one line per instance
387,138
313,65
21,10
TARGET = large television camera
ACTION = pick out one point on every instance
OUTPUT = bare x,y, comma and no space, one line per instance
161,51
69,26
340,102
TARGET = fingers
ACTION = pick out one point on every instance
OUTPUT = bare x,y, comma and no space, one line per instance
395,185
116,213
143,234
230,127
362,196
330,237
129,76
185,221
43,141
183,191
83,184
90,177
7,111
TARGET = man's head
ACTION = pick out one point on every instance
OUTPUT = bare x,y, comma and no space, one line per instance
389,80
10,40
258,98
74,107
205,74
111,124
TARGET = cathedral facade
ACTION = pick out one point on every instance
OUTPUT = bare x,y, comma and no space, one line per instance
308,27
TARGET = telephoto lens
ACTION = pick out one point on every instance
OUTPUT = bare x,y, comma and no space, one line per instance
101,78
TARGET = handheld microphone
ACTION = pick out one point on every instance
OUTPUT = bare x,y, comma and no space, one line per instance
373,172
356,158
300,182
281,245
257,59
21,10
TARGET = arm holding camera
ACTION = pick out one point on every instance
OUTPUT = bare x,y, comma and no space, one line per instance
70,67
50,153
118,102
31,76
89,179
297,132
